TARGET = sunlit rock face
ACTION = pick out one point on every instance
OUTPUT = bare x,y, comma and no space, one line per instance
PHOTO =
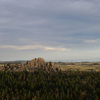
37,63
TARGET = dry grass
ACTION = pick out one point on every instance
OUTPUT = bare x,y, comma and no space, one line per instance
79,67
1,65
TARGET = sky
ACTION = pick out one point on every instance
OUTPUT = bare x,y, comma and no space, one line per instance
57,30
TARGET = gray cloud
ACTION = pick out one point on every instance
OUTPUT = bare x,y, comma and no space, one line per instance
53,23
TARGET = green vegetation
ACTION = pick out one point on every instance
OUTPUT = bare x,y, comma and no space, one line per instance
43,85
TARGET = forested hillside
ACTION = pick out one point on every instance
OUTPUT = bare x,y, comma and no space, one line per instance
43,85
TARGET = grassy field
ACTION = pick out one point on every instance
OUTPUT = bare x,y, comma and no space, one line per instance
82,66
1,65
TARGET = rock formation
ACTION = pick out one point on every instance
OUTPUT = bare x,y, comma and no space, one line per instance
37,63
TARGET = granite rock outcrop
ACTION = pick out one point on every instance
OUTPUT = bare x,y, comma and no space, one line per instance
37,63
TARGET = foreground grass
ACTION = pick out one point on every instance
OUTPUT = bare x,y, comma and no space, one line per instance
42,85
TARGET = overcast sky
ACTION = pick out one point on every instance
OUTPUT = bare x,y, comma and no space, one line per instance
57,30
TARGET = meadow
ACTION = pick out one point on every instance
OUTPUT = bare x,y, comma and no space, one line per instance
79,66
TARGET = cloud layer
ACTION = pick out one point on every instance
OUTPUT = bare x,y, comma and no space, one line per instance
46,26
33,47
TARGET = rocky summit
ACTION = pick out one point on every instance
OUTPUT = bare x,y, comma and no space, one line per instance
37,63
